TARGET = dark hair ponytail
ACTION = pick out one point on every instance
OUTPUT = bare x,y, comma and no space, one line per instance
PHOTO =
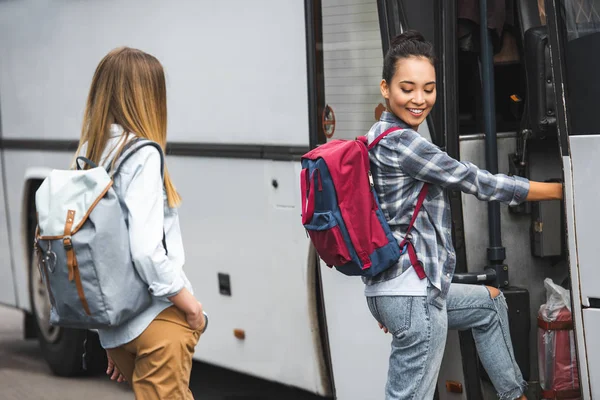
407,44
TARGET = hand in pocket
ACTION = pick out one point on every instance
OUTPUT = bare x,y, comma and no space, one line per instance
195,319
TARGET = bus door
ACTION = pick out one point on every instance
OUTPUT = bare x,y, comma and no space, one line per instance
574,34
349,66
350,38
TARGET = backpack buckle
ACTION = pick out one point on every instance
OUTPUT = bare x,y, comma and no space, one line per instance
67,243
404,248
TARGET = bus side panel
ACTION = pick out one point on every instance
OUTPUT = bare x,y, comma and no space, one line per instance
591,320
235,222
584,373
359,349
7,283
586,169
242,218
583,232
232,78
352,63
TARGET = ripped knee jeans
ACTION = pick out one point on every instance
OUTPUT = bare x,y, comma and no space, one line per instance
419,329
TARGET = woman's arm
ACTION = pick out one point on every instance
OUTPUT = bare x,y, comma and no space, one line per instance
145,204
187,303
424,161
544,191
417,157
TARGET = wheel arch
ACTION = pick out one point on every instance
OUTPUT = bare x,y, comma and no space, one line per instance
32,181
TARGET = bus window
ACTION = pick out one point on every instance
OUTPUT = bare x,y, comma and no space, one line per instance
581,17
352,63
581,30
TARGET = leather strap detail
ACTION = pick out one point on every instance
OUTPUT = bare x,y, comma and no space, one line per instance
72,264
68,244
69,223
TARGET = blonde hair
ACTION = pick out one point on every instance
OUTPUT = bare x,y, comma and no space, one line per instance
128,88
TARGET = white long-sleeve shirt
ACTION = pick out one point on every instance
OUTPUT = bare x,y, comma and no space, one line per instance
140,189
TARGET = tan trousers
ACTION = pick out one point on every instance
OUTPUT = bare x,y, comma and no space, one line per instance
158,363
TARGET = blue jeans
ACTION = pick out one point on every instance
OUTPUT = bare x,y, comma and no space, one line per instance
419,328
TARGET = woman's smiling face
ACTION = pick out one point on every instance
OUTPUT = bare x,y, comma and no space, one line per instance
411,93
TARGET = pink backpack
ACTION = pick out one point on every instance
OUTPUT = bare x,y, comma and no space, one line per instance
341,213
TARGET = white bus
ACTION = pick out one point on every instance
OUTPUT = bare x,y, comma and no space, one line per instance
252,85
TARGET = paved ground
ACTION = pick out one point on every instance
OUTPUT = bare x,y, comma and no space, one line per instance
25,376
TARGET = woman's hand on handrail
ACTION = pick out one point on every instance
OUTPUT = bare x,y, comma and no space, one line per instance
539,191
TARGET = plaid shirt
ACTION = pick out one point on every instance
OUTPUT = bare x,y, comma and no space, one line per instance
400,163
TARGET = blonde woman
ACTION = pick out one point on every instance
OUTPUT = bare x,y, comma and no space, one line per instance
153,350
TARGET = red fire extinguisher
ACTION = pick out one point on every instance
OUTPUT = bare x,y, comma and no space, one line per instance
559,376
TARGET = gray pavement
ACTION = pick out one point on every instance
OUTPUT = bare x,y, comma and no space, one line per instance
25,376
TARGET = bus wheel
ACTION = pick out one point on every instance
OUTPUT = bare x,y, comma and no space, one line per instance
62,348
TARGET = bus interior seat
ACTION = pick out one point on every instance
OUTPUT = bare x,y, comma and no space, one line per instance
582,20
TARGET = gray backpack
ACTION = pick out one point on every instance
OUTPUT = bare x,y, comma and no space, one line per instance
82,242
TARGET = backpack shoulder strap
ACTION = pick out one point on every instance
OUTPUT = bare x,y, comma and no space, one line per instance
384,134
412,254
130,149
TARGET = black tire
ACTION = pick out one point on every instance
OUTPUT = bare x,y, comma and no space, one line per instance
63,350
